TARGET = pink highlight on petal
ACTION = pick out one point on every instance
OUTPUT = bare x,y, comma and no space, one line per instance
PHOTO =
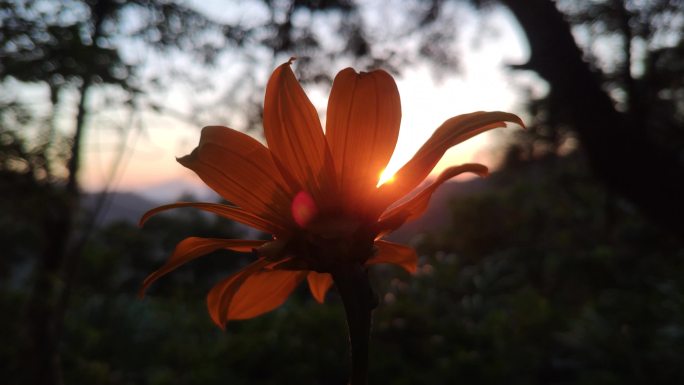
303,208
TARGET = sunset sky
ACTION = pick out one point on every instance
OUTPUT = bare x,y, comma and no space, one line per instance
482,85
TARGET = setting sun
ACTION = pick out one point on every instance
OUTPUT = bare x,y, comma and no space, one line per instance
386,176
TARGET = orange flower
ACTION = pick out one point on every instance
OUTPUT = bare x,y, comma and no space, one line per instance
315,192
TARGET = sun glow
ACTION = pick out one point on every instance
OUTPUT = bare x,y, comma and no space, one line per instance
386,176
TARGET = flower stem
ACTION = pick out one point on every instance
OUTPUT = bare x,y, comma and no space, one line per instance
359,301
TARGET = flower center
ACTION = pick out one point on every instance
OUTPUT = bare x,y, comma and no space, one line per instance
330,242
325,242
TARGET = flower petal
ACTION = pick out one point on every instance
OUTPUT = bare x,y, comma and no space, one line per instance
362,127
243,172
223,292
395,253
415,206
450,133
294,134
194,247
251,292
230,212
262,292
319,283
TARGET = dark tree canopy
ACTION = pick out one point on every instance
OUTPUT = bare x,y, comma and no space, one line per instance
617,91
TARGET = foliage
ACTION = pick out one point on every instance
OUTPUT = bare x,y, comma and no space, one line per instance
547,278
544,278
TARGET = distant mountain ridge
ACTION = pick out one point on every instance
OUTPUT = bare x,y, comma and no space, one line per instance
118,207
128,206
171,190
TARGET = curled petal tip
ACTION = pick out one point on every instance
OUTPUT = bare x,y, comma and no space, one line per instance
291,60
220,324
519,121
480,170
185,160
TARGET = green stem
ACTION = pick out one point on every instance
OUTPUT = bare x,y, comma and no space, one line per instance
359,301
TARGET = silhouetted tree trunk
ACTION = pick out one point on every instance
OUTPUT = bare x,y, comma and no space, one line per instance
617,147
47,303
